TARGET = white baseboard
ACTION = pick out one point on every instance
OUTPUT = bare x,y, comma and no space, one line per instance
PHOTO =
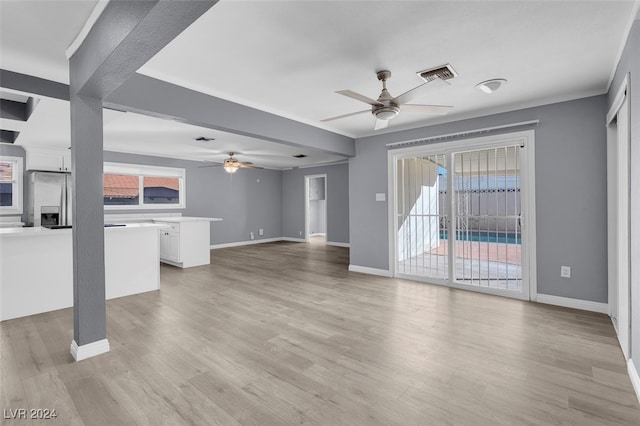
269,240
331,243
635,378
244,243
370,271
293,240
585,305
89,350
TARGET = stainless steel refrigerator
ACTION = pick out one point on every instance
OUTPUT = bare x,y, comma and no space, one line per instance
49,199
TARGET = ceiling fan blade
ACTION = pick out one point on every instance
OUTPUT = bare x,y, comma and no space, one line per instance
416,91
381,124
426,109
345,115
211,165
249,166
359,97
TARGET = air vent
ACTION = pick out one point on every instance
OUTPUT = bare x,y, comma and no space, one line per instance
443,72
299,156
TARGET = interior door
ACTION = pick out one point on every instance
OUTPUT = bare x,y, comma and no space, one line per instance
618,213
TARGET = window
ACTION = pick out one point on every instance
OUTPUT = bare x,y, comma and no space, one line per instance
10,185
121,190
161,190
130,186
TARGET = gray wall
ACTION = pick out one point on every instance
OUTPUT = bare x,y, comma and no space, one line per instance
17,151
244,204
630,63
571,195
337,201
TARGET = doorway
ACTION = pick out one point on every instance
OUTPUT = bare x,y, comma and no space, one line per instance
462,212
618,216
315,208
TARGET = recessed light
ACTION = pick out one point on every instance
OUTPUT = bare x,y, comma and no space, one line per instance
203,139
299,156
491,86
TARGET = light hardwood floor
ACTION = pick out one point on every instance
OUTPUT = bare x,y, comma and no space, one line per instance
282,333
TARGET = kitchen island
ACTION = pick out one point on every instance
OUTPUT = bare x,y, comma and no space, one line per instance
185,241
36,266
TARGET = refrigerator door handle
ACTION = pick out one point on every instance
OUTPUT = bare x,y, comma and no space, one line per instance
69,200
63,204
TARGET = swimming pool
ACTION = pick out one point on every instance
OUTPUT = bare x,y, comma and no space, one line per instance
490,237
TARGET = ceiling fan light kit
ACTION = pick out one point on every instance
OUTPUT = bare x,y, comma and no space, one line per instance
386,113
491,86
231,165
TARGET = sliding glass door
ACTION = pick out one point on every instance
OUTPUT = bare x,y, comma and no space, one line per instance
421,217
459,215
488,232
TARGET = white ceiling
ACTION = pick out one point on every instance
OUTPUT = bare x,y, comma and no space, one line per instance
290,57
34,35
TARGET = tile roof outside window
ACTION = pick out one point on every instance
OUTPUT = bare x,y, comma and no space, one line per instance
162,182
121,186
126,186
6,171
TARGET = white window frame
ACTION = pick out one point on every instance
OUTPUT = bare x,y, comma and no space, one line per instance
17,185
141,171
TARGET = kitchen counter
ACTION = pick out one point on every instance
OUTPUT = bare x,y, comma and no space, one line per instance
42,231
182,219
186,241
36,266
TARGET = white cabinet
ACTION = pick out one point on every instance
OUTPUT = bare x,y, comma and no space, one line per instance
49,159
170,243
185,243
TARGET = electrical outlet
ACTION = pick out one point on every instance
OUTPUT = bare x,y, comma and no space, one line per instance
251,235
261,232
301,233
565,271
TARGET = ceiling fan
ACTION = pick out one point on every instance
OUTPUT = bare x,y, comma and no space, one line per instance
231,164
387,107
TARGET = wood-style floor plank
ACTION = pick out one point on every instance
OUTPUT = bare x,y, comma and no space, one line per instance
282,334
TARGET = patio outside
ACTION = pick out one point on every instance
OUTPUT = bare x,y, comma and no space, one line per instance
480,263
